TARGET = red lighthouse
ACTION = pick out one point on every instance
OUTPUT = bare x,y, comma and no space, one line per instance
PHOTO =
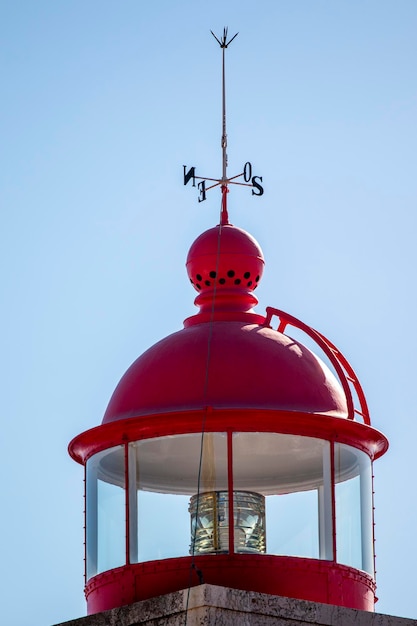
230,453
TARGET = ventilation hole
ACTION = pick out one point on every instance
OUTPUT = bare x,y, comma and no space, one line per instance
257,278
191,281
245,275
212,274
237,281
199,277
207,282
222,281
198,286
230,273
254,287
249,283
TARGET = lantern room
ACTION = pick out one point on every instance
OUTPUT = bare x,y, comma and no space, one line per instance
232,454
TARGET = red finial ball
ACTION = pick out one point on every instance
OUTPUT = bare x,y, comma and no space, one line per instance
226,258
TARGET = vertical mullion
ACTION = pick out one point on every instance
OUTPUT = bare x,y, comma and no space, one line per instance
85,522
333,483
230,491
127,520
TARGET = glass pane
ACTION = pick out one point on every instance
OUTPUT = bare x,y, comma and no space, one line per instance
105,507
354,537
163,529
292,524
293,473
163,476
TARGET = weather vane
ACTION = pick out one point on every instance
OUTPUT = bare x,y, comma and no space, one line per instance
224,181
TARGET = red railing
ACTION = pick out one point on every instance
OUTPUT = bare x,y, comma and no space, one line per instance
341,365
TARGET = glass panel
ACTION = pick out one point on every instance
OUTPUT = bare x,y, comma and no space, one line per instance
354,537
292,523
293,473
163,475
105,508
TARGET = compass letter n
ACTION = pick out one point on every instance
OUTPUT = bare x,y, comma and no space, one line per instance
188,175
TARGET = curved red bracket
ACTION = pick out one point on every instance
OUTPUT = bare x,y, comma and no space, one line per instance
341,365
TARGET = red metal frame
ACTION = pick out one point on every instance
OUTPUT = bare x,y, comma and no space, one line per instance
373,520
353,433
230,492
309,579
334,529
127,507
342,366
85,521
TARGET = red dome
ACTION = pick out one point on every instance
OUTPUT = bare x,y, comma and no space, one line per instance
226,357
226,365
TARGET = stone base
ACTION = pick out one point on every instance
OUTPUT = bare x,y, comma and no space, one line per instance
207,604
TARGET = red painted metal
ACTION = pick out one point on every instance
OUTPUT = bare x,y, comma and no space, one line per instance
340,363
373,522
225,262
332,469
294,577
249,366
85,520
127,515
228,371
224,214
358,435
230,490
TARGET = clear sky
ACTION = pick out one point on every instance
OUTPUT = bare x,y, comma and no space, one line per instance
102,104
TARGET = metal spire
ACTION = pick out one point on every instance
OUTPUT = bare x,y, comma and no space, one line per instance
224,181
223,43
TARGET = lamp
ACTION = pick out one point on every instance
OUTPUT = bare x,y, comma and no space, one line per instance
210,522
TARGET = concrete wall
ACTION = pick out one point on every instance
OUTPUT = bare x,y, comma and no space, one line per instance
221,606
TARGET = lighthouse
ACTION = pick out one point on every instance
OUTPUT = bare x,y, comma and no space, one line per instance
231,456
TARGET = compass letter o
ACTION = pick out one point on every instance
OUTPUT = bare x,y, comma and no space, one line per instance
247,172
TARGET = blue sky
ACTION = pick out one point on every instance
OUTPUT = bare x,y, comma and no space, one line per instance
102,104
